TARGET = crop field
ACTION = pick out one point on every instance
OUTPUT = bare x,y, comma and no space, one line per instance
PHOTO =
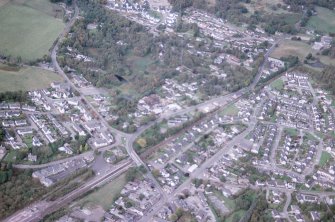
28,28
14,79
324,21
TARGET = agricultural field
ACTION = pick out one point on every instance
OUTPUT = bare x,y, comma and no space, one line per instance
28,28
14,79
300,49
324,21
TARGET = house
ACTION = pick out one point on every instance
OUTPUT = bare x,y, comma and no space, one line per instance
100,143
315,215
28,108
275,214
21,122
192,168
295,209
79,130
303,198
276,62
91,126
66,149
36,141
107,136
50,138
14,106
25,132
32,158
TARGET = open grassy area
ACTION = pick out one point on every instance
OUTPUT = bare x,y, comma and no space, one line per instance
300,49
291,131
278,84
28,28
324,21
25,79
267,6
238,214
231,110
296,48
325,157
106,194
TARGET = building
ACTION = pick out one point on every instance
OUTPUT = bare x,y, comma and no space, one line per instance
25,132
32,158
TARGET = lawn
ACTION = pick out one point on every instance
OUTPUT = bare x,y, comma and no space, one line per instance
105,195
231,110
291,131
295,48
27,78
238,214
28,28
278,84
10,156
325,157
324,21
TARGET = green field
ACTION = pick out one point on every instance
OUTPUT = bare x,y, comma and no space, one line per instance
291,131
264,6
324,21
25,79
325,157
300,49
231,110
28,28
238,214
104,196
278,84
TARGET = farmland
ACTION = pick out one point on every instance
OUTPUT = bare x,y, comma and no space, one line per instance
13,79
300,49
32,37
324,21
